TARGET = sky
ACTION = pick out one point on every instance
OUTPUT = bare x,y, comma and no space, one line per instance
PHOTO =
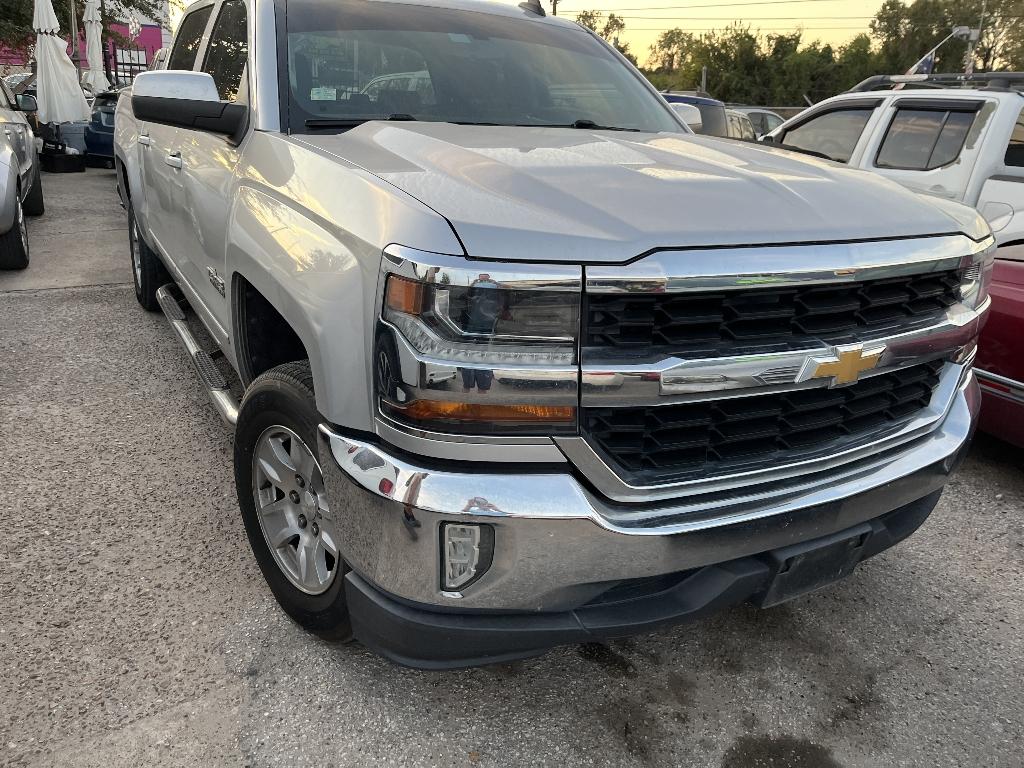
831,21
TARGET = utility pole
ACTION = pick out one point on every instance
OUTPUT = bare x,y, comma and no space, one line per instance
554,7
975,37
75,54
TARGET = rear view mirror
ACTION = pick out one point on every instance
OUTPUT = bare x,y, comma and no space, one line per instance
27,102
186,100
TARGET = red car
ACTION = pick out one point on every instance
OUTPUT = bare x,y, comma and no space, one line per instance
1000,362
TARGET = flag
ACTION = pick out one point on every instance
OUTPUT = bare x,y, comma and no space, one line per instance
924,66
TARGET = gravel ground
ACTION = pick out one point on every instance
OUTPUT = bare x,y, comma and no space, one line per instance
135,627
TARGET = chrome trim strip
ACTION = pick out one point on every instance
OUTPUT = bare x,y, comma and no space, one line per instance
441,445
791,265
606,480
1000,386
674,380
462,271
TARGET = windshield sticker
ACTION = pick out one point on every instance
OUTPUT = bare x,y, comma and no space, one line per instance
323,93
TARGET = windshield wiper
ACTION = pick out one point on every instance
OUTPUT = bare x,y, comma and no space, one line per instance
352,122
588,125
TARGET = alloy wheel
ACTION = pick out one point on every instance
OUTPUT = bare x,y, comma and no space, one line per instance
294,515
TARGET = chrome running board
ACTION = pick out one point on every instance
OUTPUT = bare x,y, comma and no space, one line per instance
213,380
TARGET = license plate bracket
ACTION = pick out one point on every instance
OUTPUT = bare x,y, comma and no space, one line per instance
811,565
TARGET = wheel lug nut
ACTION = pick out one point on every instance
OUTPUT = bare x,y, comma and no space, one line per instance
294,496
302,522
299,481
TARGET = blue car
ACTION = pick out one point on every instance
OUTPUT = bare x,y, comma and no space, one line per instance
712,111
99,133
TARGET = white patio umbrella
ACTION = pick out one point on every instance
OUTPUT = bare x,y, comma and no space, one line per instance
58,94
93,50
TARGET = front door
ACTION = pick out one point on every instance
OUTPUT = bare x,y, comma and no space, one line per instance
160,157
16,133
208,163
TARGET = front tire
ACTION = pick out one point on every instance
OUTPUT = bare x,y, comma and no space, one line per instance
148,272
287,517
14,242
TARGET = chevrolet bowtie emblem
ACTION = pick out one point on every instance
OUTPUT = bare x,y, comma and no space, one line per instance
844,365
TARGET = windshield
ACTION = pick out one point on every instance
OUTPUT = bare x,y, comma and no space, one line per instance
350,62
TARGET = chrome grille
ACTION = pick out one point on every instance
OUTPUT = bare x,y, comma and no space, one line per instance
766,315
703,439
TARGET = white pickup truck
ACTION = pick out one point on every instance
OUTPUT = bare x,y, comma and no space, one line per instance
960,138
526,362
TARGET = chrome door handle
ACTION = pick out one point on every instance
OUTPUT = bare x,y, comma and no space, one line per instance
144,140
173,159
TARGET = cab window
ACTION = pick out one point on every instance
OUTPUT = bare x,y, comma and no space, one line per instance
1015,150
226,55
190,35
833,135
924,139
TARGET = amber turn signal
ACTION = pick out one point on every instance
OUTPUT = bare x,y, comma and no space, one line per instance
404,295
427,410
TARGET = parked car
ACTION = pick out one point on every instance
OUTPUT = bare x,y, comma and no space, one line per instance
739,125
99,133
763,120
742,402
956,138
21,187
712,111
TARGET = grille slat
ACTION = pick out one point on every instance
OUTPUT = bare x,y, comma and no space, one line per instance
705,439
782,314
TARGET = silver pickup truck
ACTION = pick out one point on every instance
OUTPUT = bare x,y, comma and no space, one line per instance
525,362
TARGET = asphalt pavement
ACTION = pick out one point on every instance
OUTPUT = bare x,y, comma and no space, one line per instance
135,628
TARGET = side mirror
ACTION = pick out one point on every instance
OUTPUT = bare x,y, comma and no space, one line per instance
690,115
185,100
767,139
27,102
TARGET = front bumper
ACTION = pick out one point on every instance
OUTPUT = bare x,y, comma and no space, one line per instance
559,546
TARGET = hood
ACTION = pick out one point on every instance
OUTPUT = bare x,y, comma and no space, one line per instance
558,194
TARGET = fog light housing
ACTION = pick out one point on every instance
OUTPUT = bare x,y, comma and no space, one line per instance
466,554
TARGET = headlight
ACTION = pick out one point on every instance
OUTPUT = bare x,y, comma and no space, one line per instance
479,353
975,280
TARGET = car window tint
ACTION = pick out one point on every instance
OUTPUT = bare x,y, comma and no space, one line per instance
228,49
772,122
920,140
1015,150
190,35
833,134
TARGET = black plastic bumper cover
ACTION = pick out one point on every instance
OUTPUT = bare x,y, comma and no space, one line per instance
429,639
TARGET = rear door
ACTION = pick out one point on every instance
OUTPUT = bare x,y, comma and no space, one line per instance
930,144
158,144
1001,200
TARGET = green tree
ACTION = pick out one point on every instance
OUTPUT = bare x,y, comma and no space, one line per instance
610,29
16,31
